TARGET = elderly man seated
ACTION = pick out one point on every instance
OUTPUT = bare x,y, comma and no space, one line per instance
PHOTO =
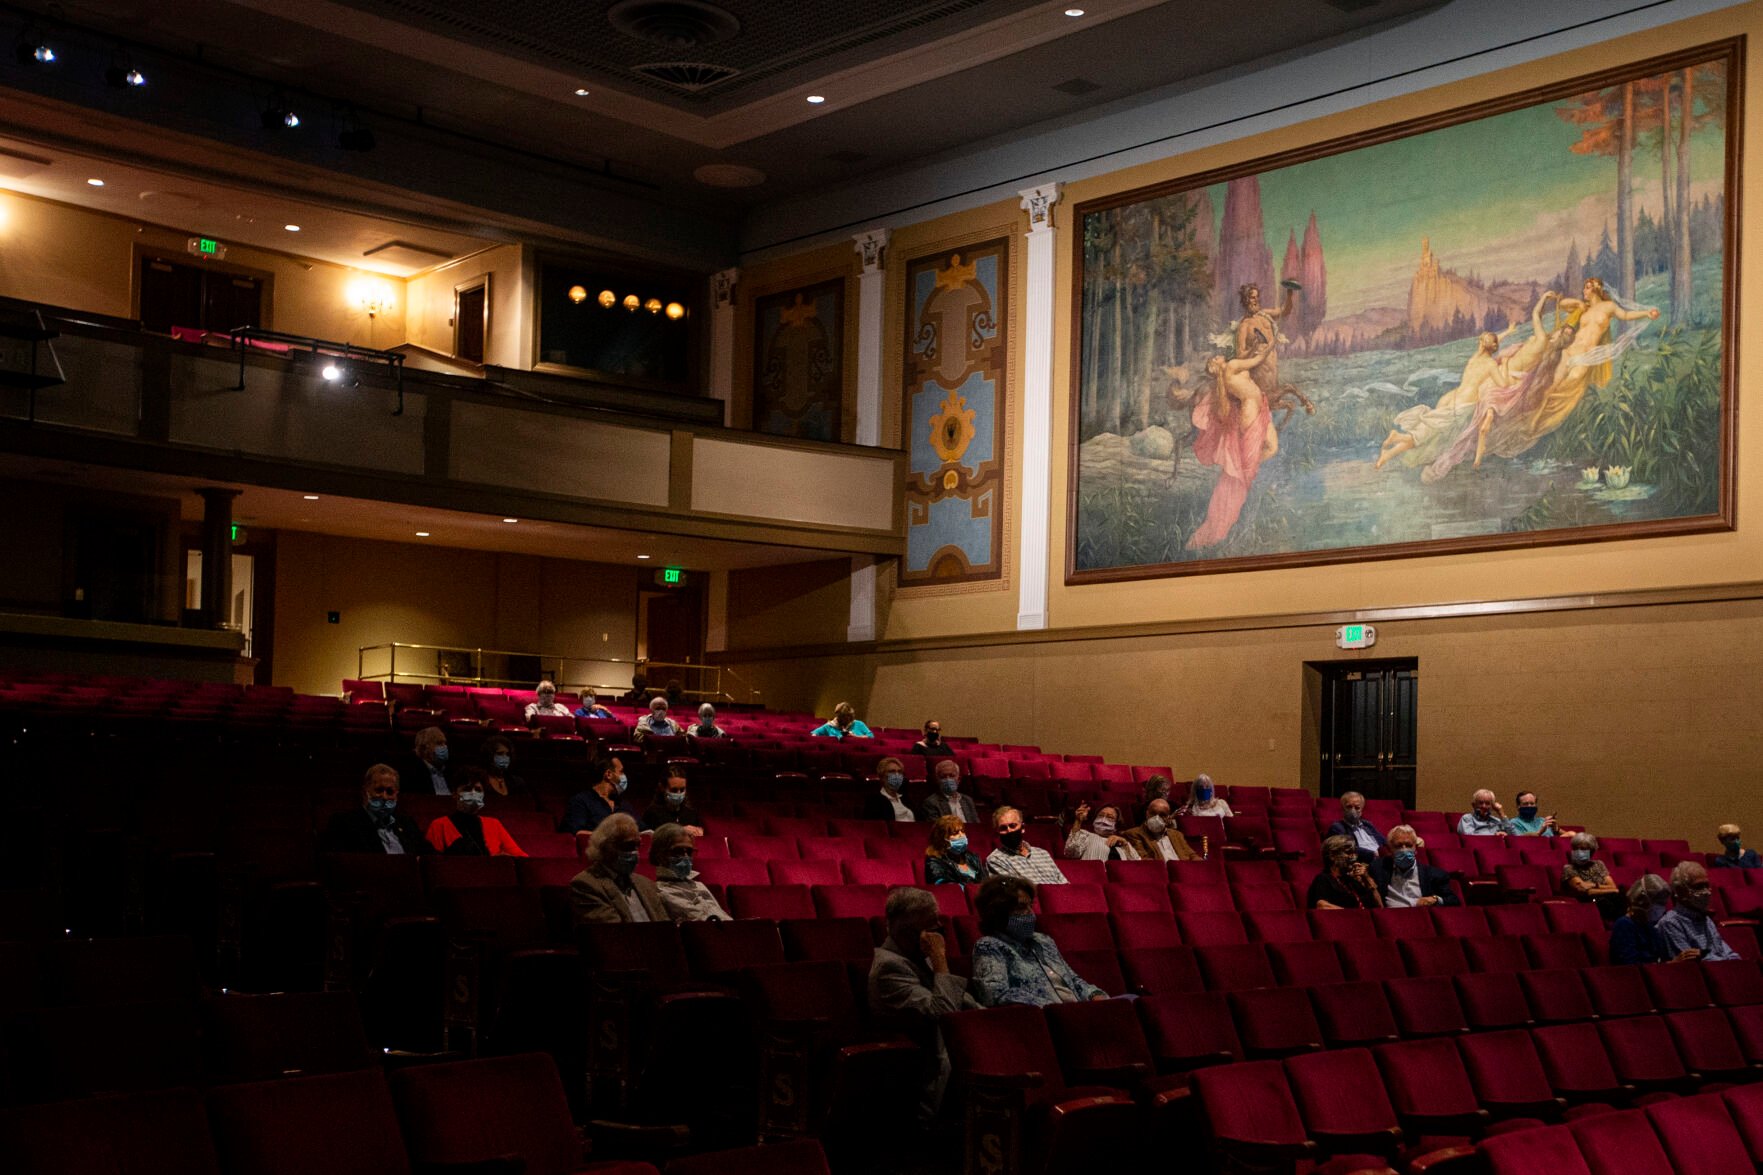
609,888
1733,854
910,985
376,826
1015,857
545,704
1688,927
1485,817
1403,880
948,799
1353,824
671,851
656,723
1157,839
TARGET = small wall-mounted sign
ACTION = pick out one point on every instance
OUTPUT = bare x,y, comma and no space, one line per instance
1355,636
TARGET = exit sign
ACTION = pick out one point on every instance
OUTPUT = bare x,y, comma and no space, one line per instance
206,247
1355,636
672,575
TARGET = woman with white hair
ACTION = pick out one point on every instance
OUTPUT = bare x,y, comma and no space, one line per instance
1635,937
545,703
1587,879
1203,799
671,851
609,888
706,726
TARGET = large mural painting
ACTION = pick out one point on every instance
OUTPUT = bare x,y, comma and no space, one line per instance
1507,325
798,362
957,350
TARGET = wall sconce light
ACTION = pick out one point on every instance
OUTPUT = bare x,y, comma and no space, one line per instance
675,311
371,297
608,299
578,294
631,302
653,305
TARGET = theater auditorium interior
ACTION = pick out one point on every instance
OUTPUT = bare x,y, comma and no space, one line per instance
727,587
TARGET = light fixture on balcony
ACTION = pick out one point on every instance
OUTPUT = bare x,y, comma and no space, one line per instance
607,299
632,302
653,305
578,294
675,311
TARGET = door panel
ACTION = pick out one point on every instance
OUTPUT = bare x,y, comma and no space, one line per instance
1368,729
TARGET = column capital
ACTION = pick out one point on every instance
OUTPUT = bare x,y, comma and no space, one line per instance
722,288
1038,203
871,247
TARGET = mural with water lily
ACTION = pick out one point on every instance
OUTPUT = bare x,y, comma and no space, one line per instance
1509,325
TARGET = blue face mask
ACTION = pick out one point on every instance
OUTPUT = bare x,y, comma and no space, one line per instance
958,844
1528,812
1580,856
676,798
1734,847
1404,859
949,786
894,780
1021,926
441,753
1203,795
625,862
681,868
501,762
1654,913
622,784
375,804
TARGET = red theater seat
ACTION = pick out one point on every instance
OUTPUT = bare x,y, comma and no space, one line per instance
160,1133
1698,1134
342,1124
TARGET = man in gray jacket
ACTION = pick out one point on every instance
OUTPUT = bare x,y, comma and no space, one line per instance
910,985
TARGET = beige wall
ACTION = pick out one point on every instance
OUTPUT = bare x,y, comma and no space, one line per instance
509,342
801,603
439,596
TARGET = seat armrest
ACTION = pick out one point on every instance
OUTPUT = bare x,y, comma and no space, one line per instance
996,1082
1441,1162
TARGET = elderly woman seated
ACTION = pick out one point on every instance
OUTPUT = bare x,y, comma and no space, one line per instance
609,888
1012,962
545,704
1346,882
671,851
1635,937
466,832
1203,800
947,859
1100,841
1587,879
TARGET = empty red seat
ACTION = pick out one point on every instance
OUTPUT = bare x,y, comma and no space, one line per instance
1353,1013
260,1037
1677,988
727,872
1189,897
1745,1104
1617,991
1161,970
1621,1144
1076,872
854,901
1551,1151
1460,921
1073,899
718,950
1429,1087
1705,1041
442,872
888,873
1508,1074
762,848
775,902
1144,931
1734,984
1136,873
1364,1123
1496,953
805,872
1263,897
1100,1043
1698,1134
341,1123
1557,951
1574,917
1434,956
1204,929
1426,1006
844,940
1078,932
164,1132
1373,959
1338,925
1304,963
1235,967
1285,926
1275,1021
1409,922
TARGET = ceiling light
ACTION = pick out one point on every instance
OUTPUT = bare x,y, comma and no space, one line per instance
511,520
293,228
816,99
33,48
332,373
422,534
310,497
581,92
1074,12
642,556
96,183
277,113
121,73
134,77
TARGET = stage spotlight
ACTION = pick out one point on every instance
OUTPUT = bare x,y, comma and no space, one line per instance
33,47
278,114
332,373
122,74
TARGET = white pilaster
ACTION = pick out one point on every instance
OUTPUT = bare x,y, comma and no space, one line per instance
722,337
1032,547
871,290
862,625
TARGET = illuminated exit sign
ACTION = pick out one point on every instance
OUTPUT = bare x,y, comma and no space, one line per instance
672,575
1355,636
206,247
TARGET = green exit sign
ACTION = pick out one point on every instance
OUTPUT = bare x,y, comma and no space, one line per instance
672,575
207,245
1355,636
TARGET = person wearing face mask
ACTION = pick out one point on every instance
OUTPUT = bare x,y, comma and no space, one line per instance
427,775
1635,937
1158,839
1013,963
588,808
1345,882
1353,823
1204,800
591,707
671,805
609,888
1528,822
498,762
1015,857
672,850
843,724
947,859
1403,880
466,832
1688,927
545,704
932,743
1100,841
376,826
1586,878
706,726
1485,816
656,723
1733,853
888,802
948,799
911,986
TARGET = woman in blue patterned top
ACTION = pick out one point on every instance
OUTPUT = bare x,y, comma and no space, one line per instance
1013,964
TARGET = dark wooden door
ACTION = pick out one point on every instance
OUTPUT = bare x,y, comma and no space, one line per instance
676,628
1369,716
115,565
468,331
171,295
231,301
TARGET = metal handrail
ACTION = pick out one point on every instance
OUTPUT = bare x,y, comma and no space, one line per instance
551,667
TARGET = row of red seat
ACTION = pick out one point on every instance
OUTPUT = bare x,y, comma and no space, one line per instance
1708,1132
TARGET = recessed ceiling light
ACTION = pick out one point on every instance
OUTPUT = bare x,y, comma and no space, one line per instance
1074,12
96,183
310,497
581,93
422,534
511,520
816,99
293,228
642,556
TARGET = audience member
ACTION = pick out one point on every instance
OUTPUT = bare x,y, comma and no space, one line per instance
1485,816
656,723
1157,839
1366,838
467,832
675,690
591,707
1402,879
428,774
887,802
843,724
932,741
947,799
911,986
1100,841
545,704
1157,787
671,805
1733,854
376,826
1345,882
1012,962
1203,800
706,726
1688,927
1635,937
1015,857
1527,822
609,888
947,859
639,691
498,764
1586,878
601,799
671,851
